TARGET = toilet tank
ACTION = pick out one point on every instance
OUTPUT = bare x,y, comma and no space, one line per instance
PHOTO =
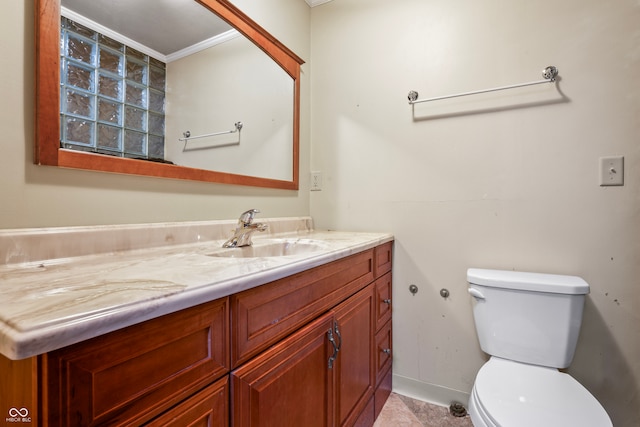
527,317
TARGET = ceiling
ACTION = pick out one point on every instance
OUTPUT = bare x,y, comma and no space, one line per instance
166,26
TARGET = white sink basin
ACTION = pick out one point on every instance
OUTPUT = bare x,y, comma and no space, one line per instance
273,248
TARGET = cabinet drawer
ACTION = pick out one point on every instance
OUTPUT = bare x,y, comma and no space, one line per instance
383,300
129,376
262,316
208,408
383,259
384,351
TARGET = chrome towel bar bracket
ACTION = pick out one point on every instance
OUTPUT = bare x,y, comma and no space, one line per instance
187,134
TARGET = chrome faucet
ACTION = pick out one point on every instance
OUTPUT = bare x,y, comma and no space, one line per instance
245,228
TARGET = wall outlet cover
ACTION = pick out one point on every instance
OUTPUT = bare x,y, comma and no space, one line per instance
316,181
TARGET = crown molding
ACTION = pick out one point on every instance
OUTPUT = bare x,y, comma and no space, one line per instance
205,44
313,3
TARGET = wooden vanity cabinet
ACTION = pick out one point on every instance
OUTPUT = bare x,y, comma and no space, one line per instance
129,376
323,373
311,349
384,341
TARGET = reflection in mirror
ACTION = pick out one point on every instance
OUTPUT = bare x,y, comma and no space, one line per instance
211,87
209,91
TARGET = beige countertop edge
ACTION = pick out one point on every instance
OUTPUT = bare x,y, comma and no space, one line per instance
18,342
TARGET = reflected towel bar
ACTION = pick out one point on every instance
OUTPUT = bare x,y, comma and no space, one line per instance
187,134
550,73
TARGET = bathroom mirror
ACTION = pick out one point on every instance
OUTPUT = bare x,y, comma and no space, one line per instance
48,119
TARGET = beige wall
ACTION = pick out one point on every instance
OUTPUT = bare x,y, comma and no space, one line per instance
35,196
505,180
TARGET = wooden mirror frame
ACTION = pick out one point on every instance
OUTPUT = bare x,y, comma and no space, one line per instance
47,141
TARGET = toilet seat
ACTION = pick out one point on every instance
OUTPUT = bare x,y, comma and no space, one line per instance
510,394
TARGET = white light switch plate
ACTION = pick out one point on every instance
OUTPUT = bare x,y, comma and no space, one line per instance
612,170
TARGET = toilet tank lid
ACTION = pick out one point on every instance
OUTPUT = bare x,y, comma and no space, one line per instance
525,281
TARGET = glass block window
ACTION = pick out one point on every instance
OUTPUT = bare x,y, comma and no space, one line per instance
112,96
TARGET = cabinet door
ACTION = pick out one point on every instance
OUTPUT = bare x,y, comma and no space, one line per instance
290,384
354,323
208,408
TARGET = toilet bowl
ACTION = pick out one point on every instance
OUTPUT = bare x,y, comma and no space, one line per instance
508,393
529,324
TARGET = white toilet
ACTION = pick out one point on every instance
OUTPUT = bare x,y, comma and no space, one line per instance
529,324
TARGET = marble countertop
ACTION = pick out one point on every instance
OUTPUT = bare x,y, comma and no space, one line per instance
49,303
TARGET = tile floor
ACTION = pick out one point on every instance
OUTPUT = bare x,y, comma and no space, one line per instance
402,411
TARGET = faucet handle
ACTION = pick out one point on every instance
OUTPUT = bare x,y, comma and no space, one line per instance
247,217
